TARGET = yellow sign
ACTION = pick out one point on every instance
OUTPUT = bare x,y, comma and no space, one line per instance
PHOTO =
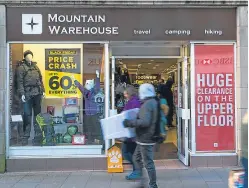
61,66
114,160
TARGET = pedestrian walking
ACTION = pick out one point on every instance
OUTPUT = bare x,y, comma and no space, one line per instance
146,125
164,110
169,98
129,144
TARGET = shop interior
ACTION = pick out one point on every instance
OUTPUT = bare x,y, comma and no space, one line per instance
139,71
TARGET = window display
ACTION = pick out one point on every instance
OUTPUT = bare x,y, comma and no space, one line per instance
57,93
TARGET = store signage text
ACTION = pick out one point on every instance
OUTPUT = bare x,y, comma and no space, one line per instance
119,24
60,66
214,97
146,77
93,61
83,30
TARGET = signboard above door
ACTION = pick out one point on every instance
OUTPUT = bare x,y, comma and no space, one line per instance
120,24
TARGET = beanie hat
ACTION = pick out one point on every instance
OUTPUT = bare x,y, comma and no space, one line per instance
146,90
27,52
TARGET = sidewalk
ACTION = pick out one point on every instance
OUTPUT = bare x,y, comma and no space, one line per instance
167,178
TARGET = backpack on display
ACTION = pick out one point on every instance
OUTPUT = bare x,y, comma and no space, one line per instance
45,122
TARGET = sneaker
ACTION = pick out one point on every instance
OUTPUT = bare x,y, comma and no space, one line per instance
135,175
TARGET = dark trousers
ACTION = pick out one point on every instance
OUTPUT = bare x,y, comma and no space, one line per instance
92,128
170,115
245,165
35,104
128,149
143,156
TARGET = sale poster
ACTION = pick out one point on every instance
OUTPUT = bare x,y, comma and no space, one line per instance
61,66
215,99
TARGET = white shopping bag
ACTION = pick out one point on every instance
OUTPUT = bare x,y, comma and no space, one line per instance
112,127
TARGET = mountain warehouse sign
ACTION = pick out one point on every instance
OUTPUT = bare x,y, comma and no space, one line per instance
57,29
119,24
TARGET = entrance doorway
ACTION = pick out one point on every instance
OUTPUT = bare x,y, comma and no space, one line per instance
153,70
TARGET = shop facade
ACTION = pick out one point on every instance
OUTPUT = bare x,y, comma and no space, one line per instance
70,44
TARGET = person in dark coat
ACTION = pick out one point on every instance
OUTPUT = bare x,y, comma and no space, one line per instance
145,126
160,86
129,145
170,100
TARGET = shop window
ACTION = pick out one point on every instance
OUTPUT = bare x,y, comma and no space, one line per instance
56,94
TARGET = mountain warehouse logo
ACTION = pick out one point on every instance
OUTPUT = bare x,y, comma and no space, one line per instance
31,24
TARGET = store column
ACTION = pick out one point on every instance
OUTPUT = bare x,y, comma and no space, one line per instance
242,66
3,80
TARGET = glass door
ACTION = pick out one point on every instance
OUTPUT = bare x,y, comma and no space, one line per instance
183,112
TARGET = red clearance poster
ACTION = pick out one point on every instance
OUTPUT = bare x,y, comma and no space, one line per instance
215,100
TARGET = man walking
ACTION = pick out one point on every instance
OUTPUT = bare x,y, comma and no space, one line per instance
145,125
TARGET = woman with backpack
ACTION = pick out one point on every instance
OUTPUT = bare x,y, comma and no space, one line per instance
164,110
129,145
147,125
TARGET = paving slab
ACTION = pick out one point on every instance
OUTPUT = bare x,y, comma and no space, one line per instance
217,185
25,185
166,178
209,175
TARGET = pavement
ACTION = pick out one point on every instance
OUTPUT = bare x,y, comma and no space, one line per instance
167,178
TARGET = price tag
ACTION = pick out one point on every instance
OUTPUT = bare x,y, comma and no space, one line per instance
79,140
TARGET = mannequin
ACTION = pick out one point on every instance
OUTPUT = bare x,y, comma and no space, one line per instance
31,90
94,105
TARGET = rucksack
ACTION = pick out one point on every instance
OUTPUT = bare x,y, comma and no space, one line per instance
158,136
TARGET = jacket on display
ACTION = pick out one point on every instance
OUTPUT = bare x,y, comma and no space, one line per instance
29,79
91,107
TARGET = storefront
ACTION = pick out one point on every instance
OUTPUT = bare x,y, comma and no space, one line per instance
74,48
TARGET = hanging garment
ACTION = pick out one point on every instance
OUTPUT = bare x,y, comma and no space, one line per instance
125,78
100,101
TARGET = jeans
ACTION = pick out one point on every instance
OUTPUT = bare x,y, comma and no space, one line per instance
245,165
128,149
143,156
35,104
